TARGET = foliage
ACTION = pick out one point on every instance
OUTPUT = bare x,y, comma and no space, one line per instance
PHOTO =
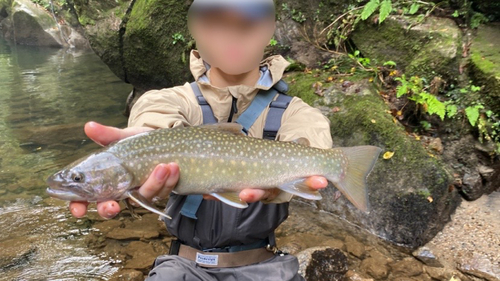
296,15
178,37
479,117
385,8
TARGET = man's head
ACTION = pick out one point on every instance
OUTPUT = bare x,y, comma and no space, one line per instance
232,34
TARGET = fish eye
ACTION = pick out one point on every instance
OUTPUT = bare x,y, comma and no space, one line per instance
77,177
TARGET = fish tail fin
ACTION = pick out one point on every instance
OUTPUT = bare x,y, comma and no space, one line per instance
360,162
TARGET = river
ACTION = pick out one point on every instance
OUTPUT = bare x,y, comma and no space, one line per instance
46,95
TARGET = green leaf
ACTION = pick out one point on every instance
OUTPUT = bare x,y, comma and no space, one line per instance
414,8
455,14
385,10
390,63
369,9
434,106
451,110
472,113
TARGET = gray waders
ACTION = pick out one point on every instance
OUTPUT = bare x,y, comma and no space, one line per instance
218,242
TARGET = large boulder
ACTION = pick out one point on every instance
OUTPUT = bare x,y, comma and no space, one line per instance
427,49
145,43
26,23
410,194
485,62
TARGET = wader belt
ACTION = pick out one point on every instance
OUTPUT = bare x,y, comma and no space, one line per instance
225,257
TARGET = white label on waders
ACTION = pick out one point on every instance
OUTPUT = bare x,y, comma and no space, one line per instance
212,260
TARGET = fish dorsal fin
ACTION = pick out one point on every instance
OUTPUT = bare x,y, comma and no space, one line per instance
233,128
302,141
231,198
135,196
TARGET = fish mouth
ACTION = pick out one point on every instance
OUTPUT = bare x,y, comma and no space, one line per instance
64,194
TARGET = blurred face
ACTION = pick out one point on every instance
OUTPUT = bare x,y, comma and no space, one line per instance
229,41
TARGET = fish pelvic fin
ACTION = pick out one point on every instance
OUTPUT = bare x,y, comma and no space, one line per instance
360,162
135,196
300,188
231,198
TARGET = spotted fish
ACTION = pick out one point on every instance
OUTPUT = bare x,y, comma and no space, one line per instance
214,159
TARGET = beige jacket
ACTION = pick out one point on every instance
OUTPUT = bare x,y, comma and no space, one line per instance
178,106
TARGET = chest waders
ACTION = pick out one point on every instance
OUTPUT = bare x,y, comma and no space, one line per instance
277,101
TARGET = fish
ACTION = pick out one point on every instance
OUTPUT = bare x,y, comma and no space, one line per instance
216,159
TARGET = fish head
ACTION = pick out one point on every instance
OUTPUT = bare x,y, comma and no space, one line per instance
98,177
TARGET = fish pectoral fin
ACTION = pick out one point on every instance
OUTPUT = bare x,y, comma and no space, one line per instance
143,202
233,128
131,209
231,198
302,141
300,188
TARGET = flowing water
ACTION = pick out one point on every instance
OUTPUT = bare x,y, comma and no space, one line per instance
46,95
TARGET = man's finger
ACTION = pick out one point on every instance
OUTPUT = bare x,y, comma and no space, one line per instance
109,209
317,182
156,182
78,209
171,181
105,135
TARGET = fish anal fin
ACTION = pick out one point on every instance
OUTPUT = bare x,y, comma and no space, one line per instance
233,128
231,198
143,202
300,188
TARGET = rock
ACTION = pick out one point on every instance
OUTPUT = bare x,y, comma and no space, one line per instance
136,39
353,276
426,256
354,247
436,145
399,188
440,273
128,275
107,226
428,49
407,267
472,239
129,234
485,64
480,266
16,252
143,256
472,184
322,263
376,268
26,23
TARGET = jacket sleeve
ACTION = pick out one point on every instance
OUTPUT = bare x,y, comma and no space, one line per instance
303,121
166,108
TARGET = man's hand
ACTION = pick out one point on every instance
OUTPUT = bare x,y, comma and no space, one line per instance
159,184
252,195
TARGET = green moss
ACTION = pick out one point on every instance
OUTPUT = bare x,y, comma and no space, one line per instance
301,85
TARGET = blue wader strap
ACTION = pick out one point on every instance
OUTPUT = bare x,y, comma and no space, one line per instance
262,100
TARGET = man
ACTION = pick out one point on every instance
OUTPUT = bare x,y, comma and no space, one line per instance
217,241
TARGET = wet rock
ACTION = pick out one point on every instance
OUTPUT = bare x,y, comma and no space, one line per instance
407,267
426,256
27,23
15,253
143,256
354,276
106,226
440,273
128,275
472,184
129,234
354,247
322,263
480,266
377,268
426,49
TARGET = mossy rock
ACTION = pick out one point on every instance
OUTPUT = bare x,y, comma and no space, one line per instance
409,193
151,56
427,49
485,61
